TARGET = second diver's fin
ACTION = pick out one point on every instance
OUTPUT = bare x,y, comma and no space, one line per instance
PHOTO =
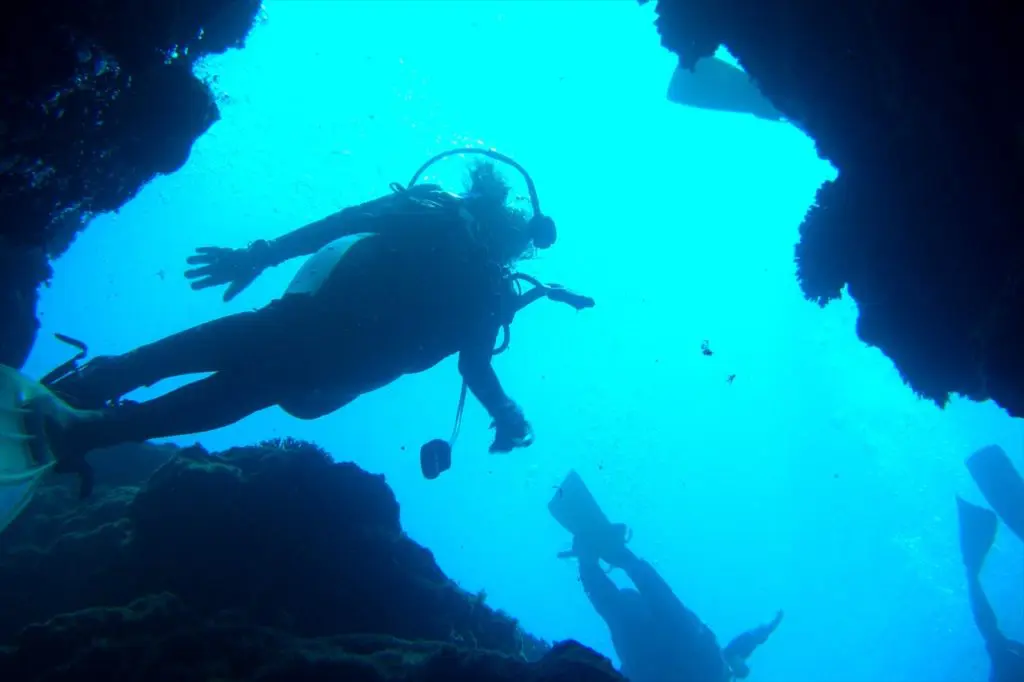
977,533
1001,485
576,510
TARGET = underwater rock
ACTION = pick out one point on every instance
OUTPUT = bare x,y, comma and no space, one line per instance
913,104
270,562
98,98
157,638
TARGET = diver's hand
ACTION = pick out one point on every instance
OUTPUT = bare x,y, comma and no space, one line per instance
511,430
556,292
238,268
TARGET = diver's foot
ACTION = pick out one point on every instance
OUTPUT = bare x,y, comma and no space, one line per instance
68,442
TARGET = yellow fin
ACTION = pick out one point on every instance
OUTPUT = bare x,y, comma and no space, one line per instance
25,456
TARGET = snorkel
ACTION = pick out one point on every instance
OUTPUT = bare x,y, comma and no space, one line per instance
541,227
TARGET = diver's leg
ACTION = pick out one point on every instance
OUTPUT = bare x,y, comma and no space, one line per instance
224,344
211,403
977,535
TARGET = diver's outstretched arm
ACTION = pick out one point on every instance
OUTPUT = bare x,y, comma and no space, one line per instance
744,644
352,220
600,590
511,428
475,367
238,268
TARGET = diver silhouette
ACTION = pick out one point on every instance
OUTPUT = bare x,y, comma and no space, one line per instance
657,638
1003,488
396,285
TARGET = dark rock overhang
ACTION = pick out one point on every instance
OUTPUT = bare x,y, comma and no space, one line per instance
917,104
97,97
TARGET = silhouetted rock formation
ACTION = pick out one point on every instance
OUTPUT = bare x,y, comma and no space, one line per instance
97,97
263,563
917,104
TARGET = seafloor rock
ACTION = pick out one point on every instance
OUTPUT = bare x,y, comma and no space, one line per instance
916,103
266,563
97,98
157,639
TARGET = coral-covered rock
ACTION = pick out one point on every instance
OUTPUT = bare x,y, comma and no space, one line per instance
98,98
157,639
270,562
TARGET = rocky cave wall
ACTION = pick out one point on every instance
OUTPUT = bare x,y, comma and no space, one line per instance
270,562
918,106
97,97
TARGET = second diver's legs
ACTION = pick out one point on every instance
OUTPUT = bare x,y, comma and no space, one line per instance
977,533
224,344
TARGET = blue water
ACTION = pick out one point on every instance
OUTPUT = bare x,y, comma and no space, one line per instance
815,482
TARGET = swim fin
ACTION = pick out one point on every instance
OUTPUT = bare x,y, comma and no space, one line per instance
576,510
1001,485
26,409
719,86
977,533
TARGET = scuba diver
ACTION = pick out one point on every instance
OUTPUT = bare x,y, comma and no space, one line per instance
657,638
396,285
1003,487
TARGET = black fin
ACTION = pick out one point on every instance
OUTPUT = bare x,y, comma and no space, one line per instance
977,534
1001,484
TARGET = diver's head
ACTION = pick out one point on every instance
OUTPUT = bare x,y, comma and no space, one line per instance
504,231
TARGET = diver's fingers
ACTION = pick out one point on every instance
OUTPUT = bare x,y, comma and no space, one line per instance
200,260
208,272
203,260
207,254
201,284
212,251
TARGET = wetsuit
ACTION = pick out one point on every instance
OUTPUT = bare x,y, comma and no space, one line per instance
406,297
656,637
